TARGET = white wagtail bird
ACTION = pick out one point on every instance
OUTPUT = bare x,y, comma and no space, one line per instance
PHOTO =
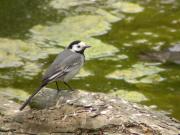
66,65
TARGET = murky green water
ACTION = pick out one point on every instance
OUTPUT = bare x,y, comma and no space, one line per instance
36,27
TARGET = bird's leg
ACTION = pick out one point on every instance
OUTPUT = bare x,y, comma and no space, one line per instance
57,86
68,86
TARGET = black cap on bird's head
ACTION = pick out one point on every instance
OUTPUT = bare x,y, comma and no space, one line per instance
78,46
73,43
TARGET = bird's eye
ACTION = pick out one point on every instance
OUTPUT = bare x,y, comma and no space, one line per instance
78,46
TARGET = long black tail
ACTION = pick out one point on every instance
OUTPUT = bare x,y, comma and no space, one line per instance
29,99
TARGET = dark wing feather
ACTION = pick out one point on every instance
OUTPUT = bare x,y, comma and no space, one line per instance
62,65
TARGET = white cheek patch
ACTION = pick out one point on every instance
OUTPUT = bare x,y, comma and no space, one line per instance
76,49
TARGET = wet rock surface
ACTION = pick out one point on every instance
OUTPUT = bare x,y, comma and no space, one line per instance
80,112
171,54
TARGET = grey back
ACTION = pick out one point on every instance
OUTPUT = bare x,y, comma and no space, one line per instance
62,62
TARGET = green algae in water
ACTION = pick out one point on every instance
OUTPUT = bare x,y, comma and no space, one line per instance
71,28
7,60
84,73
154,78
21,55
127,7
116,57
63,34
139,73
30,69
19,51
132,96
99,49
14,93
108,16
154,24
66,4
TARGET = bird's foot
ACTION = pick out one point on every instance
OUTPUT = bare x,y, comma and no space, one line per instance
72,90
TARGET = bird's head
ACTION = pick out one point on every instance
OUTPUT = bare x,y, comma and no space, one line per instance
78,46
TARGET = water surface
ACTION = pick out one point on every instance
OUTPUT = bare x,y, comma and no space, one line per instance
156,27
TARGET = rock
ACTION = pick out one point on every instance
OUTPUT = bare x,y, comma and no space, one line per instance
80,112
8,107
171,54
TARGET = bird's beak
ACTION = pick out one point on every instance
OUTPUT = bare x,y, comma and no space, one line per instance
87,46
